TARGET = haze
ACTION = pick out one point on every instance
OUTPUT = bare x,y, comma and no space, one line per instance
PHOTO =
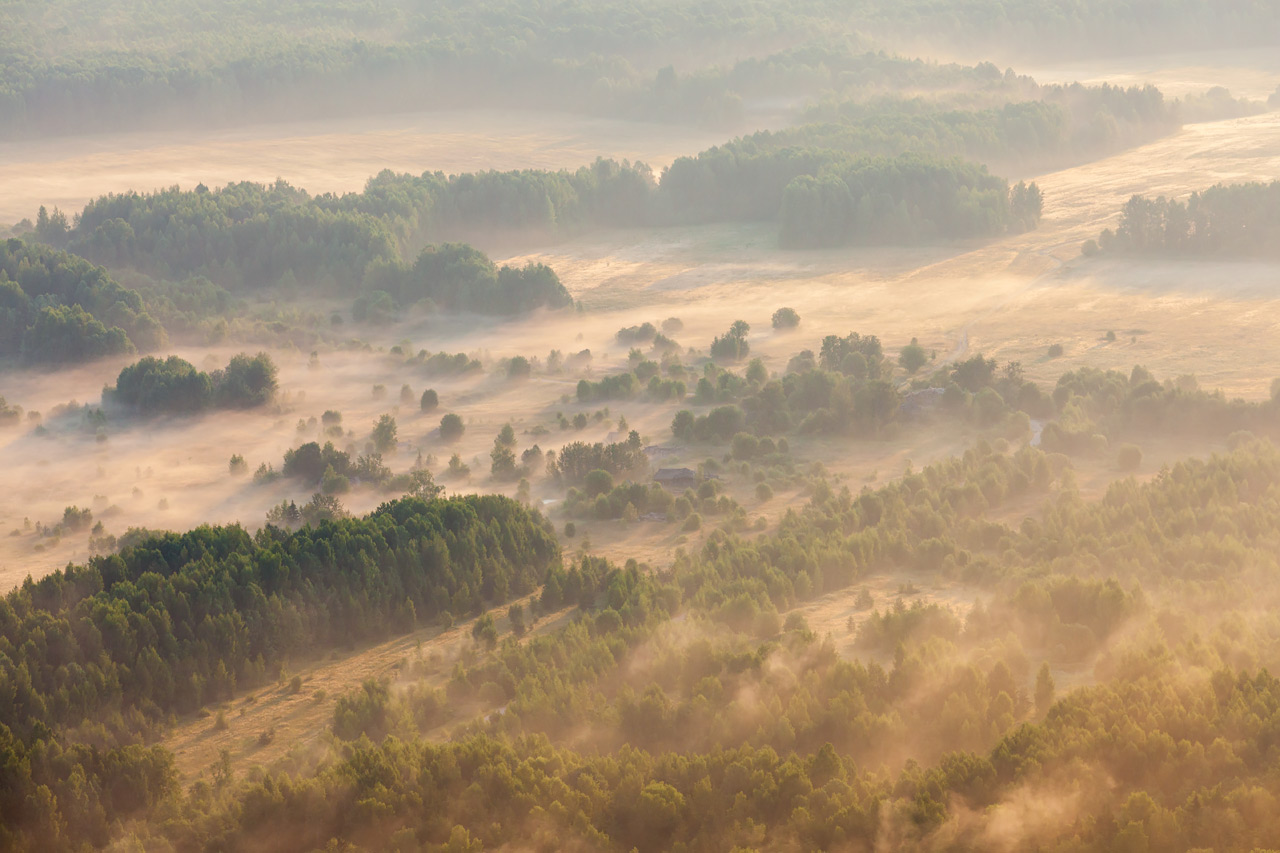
686,426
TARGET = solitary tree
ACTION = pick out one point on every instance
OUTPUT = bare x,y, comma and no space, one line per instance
384,434
1044,689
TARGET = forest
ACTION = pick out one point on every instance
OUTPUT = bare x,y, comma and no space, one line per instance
357,58
674,757
687,425
108,649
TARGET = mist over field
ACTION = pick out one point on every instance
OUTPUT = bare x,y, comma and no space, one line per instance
701,426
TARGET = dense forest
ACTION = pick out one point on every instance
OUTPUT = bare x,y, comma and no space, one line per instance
733,723
1236,220
750,730
903,201
1033,127
261,62
92,656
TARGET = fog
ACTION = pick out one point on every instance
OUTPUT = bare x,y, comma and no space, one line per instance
972,547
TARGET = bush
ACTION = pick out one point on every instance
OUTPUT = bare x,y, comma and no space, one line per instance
430,400
485,632
745,445
457,468
785,318
598,482
333,483
636,334
764,492
452,427
1055,351
1129,457
519,368
913,357
516,614
692,523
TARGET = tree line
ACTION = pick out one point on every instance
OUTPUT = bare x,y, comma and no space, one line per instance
1227,220
58,308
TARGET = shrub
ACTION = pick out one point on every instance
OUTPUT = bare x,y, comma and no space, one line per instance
785,318
745,445
1129,457
519,368
598,482
452,427
913,357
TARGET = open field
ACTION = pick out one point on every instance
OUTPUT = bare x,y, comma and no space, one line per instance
1008,298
